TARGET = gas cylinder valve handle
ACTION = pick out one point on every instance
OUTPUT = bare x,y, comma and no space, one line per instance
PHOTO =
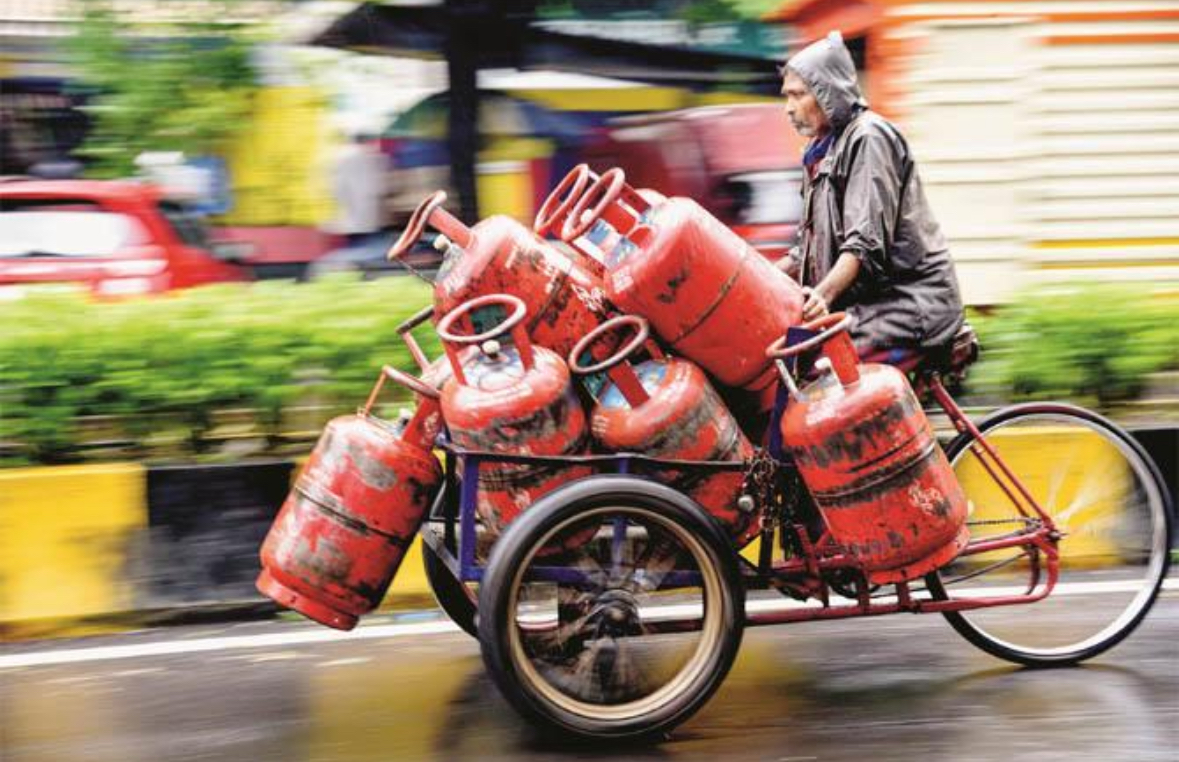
642,333
431,211
623,377
605,194
828,326
832,338
514,323
555,209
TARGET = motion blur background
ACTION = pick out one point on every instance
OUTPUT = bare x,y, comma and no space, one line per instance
285,141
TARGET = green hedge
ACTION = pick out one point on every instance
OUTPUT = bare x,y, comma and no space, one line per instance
1094,344
171,363
162,372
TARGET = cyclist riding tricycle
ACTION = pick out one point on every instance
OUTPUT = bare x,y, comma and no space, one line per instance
608,546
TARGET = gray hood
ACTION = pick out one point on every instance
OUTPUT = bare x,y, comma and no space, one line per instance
827,68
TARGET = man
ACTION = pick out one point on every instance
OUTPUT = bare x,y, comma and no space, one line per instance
868,241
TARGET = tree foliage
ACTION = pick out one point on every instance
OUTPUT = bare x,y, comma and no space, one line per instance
184,86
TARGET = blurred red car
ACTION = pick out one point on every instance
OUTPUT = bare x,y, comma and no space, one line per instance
741,162
116,238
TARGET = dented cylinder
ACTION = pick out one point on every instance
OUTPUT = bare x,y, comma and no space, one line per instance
513,399
706,292
664,407
345,527
499,255
870,460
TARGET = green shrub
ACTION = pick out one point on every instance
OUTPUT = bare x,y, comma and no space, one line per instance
170,363
1092,343
163,369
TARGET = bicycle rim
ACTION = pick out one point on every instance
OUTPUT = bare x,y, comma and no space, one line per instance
1107,501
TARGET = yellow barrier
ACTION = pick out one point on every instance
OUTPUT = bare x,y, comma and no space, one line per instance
1052,463
66,535
410,584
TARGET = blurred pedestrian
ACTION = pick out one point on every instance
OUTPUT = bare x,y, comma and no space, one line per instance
360,183
869,243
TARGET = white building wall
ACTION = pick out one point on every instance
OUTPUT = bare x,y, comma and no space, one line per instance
1047,156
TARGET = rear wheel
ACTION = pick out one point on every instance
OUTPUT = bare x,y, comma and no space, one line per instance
1109,502
621,636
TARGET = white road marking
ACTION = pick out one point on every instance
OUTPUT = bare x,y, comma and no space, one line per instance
277,656
345,662
376,632
137,672
200,645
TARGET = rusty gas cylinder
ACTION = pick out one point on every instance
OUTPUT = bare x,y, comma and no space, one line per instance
512,398
706,292
870,460
664,407
343,531
500,255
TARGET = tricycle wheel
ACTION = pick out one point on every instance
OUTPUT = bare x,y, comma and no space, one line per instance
622,636
454,597
1109,503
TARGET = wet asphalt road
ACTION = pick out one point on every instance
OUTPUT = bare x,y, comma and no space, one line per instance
895,688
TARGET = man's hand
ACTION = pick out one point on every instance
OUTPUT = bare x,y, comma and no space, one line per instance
815,305
819,299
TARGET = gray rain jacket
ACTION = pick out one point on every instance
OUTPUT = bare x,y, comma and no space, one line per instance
866,199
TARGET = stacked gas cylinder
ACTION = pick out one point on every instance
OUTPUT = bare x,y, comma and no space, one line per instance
609,339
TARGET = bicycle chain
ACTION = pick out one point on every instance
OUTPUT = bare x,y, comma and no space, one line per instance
761,473
994,522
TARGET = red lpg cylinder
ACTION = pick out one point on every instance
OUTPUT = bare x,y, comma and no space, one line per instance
499,255
664,407
706,292
514,399
343,531
869,458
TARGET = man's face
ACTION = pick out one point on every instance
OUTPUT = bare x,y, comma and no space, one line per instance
801,106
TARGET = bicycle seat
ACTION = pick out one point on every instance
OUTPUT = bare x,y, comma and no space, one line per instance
951,360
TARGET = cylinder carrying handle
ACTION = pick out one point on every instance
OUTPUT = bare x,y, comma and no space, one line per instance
514,323
430,211
832,338
623,375
412,383
604,195
422,426
555,209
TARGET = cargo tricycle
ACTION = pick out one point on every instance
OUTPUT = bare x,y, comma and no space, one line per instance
620,495
613,606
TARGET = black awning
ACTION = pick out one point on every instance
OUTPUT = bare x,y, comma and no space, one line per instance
511,40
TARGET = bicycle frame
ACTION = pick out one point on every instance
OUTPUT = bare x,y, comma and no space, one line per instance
456,542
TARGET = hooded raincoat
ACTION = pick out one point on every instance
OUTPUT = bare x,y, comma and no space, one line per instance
865,198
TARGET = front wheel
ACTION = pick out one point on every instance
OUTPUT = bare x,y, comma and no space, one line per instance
623,635
1111,506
